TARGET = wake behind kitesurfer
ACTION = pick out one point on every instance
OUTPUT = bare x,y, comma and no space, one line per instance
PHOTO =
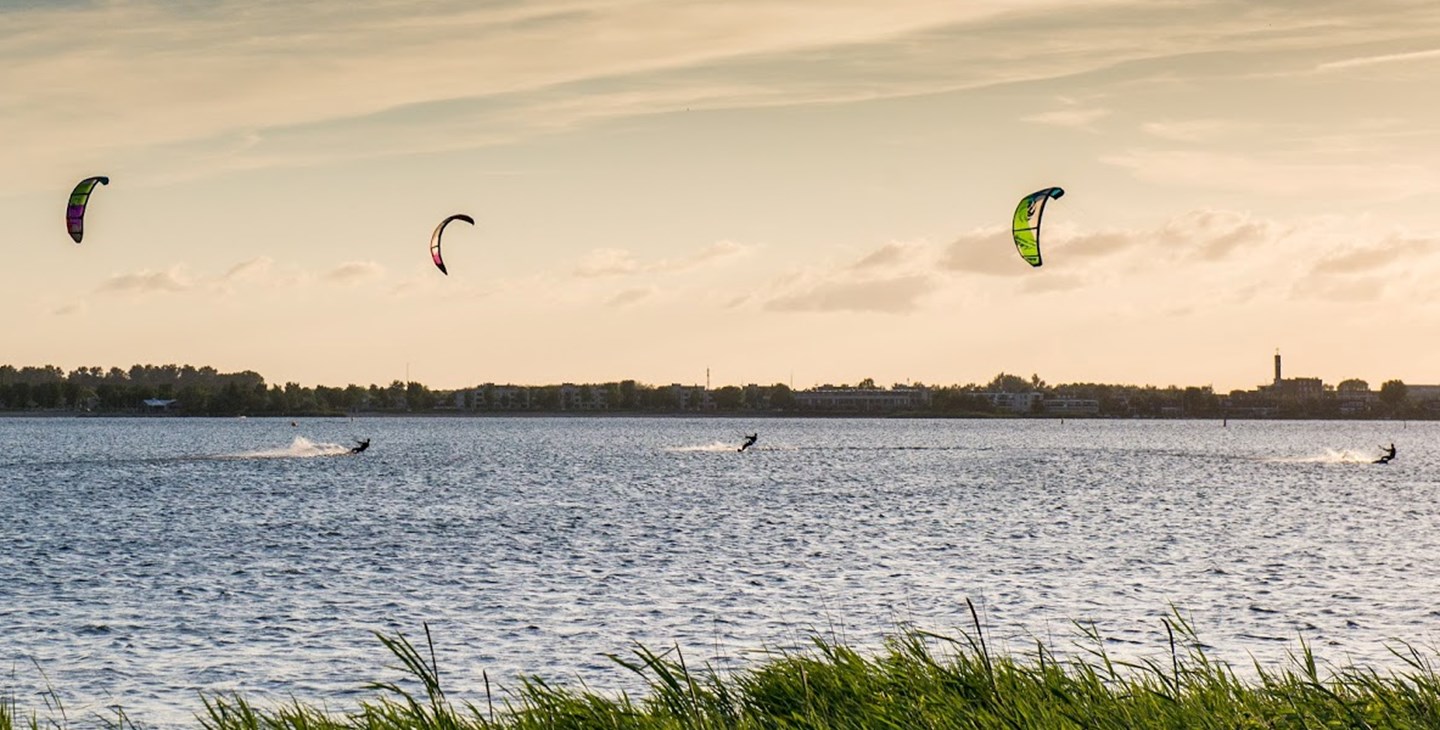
360,446
1387,456
749,441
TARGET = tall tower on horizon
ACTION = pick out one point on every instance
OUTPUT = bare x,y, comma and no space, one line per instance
1277,366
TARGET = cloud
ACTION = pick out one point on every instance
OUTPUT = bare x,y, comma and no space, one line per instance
1355,262
1214,235
1201,260
1080,246
1203,235
260,271
1046,282
1196,235
237,74
984,251
1195,130
891,278
737,302
991,251
254,268
1076,118
1349,291
1277,174
889,255
71,309
354,272
1356,267
170,281
605,262
256,83
715,252
894,295
1362,61
1379,256
629,296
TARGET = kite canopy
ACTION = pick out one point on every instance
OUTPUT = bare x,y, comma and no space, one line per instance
1027,223
75,211
435,239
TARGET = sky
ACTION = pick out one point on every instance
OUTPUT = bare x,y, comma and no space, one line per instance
767,191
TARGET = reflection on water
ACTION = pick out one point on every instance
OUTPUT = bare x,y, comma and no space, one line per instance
147,560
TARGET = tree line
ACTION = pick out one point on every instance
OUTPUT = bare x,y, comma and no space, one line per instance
204,391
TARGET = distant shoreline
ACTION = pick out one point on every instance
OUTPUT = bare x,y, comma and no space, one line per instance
689,414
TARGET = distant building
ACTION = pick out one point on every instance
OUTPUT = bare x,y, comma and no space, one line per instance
864,400
689,397
583,398
1249,404
1354,397
1013,402
1424,396
492,397
1071,406
1297,388
755,396
1422,393
158,405
1293,388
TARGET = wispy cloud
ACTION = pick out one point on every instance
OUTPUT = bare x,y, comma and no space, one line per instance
1195,130
620,262
1277,174
630,296
1201,235
1052,282
1362,61
892,278
235,72
1346,291
893,254
169,281
354,272
892,295
1074,118
1367,259
251,84
991,251
250,269
988,250
71,309
607,262
1215,235
259,272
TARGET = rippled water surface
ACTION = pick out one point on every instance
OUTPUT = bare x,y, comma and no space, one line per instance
145,561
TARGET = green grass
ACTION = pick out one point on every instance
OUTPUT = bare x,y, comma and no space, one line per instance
918,680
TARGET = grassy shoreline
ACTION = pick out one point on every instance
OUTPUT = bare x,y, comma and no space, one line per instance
918,680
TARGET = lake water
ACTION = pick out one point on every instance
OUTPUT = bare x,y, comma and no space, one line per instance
145,561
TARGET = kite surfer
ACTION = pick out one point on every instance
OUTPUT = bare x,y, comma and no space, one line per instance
1389,454
360,445
749,441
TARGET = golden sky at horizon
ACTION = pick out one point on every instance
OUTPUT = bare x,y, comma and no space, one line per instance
773,190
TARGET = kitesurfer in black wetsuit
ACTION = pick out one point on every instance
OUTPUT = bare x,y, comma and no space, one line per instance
1389,454
360,446
749,441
